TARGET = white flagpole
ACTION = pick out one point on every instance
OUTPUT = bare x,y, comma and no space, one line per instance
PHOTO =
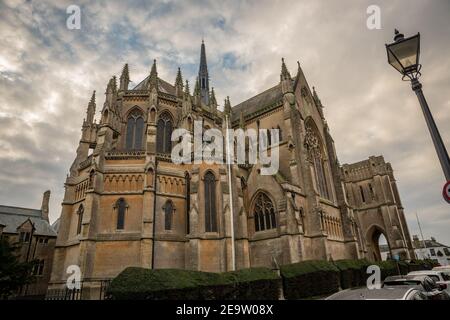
229,150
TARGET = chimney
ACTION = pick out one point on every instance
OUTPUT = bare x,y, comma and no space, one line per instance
433,239
44,207
415,237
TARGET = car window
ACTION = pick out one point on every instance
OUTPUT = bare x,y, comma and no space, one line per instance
434,277
445,276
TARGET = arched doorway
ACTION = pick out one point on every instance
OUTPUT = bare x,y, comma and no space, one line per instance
378,243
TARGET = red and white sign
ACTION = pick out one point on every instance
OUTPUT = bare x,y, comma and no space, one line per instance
446,192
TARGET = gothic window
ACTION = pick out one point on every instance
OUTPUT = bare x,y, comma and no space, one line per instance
135,130
210,202
188,201
121,207
264,213
80,218
91,178
316,157
363,198
372,192
164,134
280,135
203,83
168,215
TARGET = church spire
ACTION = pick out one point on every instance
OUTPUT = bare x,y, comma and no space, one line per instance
227,106
91,110
179,84
284,71
212,99
124,78
153,80
203,75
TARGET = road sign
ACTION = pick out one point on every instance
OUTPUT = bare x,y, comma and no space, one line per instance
446,192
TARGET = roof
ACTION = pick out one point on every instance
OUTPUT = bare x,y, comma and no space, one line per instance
260,101
163,86
367,294
13,217
428,243
56,224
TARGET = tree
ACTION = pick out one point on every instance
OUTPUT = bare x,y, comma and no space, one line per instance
13,273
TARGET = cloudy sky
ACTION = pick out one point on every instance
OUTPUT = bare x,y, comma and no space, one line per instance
48,72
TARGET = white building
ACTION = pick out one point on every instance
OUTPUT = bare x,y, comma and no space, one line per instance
431,250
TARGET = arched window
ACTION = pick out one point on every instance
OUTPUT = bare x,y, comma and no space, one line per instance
91,178
188,201
164,134
361,190
264,213
80,218
210,202
135,131
121,207
280,134
168,214
316,157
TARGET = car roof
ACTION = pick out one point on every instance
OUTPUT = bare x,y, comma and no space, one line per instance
425,272
395,293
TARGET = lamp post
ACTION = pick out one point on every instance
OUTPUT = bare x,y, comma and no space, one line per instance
403,54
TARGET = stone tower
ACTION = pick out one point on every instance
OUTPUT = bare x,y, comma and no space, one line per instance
372,191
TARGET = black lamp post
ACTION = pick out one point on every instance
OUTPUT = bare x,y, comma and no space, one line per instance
403,55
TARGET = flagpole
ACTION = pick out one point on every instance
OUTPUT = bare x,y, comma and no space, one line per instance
421,234
229,150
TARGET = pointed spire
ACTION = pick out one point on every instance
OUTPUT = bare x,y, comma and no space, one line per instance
203,75
179,79
284,71
153,80
227,106
197,87
124,78
187,90
212,99
90,112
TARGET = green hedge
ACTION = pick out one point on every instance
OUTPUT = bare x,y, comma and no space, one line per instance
309,278
352,272
174,284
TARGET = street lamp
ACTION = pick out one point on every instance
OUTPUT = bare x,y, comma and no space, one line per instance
403,54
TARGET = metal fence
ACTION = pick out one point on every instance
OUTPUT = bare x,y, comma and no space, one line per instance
64,293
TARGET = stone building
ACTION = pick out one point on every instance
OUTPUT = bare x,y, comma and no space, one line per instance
127,204
30,229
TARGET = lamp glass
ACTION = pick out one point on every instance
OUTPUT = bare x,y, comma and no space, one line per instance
404,55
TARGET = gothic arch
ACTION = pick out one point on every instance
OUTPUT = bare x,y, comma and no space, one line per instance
263,211
210,203
317,157
134,129
164,128
372,239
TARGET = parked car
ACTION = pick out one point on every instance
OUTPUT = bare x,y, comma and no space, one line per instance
442,278
391,293
425,284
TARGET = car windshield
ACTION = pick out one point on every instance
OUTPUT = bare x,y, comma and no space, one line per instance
434,277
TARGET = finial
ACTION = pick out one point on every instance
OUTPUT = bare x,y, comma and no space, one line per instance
398,36
187,88
179,79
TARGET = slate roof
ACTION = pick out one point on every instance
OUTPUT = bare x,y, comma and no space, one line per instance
164,86
260,101
13,217
428,243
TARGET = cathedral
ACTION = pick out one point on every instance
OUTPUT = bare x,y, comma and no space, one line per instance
127,203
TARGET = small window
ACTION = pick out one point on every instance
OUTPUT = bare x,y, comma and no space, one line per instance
45,240
24,237
363,198
80,218
432,252
121,207
168,215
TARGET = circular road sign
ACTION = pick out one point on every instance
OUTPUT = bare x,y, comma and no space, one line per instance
446,192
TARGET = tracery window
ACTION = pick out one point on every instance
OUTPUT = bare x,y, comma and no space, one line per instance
210,202
264,213
316,158
164,133
135,130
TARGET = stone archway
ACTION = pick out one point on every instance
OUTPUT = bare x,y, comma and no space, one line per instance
373,240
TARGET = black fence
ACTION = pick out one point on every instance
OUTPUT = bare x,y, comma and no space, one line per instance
65,293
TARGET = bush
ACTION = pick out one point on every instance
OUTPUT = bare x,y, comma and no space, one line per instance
388,268
353,273
174,284
309,278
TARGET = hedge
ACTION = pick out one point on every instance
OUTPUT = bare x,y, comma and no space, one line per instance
352,272
309,278
174,284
